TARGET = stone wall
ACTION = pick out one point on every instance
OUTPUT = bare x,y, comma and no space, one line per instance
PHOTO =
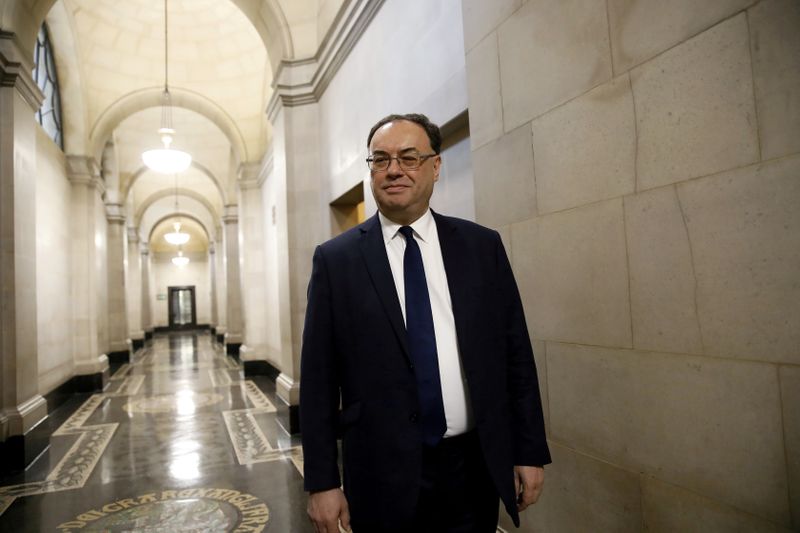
642,162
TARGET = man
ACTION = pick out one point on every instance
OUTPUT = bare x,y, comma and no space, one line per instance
415,327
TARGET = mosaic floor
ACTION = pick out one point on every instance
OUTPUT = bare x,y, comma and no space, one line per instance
178,442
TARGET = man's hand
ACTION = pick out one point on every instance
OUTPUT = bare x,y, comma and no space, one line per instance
326,508
528,481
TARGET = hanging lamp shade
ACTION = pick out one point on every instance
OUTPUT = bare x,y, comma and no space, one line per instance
166,160
177,237
180,260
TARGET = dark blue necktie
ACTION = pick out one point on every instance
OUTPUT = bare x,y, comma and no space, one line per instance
422,342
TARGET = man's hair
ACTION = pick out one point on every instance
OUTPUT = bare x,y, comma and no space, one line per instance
434,135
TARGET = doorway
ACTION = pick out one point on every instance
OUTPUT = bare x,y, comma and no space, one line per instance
182,313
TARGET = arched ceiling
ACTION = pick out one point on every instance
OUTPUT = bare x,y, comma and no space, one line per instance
214,51
198,240
221,59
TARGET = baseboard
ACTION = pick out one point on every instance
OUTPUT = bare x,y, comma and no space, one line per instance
288,416
261,368
19,451
232,348
137,344
119,358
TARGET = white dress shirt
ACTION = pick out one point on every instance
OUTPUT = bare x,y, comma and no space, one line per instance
454,387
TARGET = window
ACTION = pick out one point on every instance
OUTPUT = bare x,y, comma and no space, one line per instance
44,74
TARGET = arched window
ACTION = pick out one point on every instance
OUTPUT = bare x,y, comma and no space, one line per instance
44,74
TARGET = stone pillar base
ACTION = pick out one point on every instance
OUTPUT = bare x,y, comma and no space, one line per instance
288,404
92,376
24,434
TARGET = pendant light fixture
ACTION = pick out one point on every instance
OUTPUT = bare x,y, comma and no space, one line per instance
180,260
177,237
166,160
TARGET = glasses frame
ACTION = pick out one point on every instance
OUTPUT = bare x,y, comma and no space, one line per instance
422,158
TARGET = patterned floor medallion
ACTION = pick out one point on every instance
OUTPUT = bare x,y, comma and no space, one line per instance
202,411
195,510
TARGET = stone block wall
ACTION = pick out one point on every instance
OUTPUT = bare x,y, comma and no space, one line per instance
641,160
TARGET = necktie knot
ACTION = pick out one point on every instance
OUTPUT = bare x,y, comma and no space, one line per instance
407,232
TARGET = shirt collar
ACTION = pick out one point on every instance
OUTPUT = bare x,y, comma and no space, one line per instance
423,227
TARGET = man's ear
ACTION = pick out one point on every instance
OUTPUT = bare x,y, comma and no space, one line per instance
437,165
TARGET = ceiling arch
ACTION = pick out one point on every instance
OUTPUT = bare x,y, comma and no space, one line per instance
128,187
136,101
24,17
163,208
170,193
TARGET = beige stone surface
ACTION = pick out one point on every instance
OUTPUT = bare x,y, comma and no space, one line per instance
573,275
551,51
481,18
744,226
775,46
505,191
582,494
483,86
710,425
585,150
695,111
641,29
663,305
790,396
668,508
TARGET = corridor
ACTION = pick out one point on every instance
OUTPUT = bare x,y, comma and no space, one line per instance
178,441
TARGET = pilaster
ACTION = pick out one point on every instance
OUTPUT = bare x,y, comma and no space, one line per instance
233,335
117,312
89,283
133,290
22,406
147,324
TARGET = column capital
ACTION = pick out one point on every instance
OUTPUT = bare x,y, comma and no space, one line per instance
115,213
144,247
133,235
15,71
231,215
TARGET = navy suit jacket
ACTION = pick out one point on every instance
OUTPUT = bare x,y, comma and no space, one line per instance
354,345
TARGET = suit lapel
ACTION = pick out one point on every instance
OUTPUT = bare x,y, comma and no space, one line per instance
374,251
458,268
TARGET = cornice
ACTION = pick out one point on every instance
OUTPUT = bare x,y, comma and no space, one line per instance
15,71
303,81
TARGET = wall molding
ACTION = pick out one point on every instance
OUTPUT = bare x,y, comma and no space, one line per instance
303,81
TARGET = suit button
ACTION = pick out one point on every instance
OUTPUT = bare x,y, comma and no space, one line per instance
410,366
413,417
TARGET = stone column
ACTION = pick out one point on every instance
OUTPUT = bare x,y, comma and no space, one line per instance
296,163
91,363
253,352
22,406
212,275
133,290
147,323
233,335
221,287
117,313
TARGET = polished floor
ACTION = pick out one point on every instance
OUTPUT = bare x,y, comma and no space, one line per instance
180,441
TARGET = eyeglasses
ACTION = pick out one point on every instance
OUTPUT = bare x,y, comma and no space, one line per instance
410,160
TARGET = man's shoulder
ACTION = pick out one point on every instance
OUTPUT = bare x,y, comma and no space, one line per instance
349,239
467,226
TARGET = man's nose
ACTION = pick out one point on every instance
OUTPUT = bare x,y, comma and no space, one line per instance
394,168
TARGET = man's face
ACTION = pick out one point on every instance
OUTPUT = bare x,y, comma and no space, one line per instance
403,195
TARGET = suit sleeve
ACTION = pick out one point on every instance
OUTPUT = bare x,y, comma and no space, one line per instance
319,386
530,443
